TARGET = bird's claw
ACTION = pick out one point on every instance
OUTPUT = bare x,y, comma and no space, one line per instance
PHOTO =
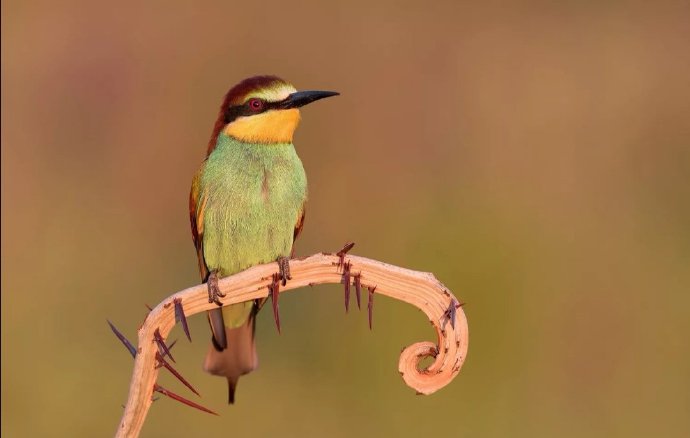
213,289
284,268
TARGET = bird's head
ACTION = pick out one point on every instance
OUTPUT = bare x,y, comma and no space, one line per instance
263,109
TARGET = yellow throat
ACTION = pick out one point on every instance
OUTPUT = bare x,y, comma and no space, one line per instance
275,126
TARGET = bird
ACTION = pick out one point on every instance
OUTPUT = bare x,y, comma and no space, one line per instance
247,207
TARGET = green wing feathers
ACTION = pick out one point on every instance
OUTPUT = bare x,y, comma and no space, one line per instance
196,220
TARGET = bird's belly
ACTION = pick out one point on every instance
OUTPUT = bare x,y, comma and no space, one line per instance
248,228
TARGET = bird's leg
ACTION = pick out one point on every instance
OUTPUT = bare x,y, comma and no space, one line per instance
213,289
284,267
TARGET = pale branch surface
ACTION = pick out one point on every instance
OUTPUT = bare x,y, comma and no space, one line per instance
421,289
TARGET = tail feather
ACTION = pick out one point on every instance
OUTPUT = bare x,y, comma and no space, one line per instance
238,359
231,391
215,320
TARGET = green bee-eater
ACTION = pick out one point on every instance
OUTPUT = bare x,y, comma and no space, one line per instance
247,206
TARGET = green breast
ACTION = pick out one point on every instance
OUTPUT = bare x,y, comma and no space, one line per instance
254,194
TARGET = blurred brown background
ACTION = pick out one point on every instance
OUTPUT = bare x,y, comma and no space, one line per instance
534,156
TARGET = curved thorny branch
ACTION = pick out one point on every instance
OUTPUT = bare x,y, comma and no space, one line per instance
420,289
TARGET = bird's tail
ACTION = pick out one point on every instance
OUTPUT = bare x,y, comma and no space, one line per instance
238,359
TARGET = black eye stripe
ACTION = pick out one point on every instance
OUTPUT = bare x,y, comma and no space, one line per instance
233,112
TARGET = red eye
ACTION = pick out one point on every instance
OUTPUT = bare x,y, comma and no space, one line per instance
256,104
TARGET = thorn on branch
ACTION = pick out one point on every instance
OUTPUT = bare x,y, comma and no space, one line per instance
170,347
181,399
180,317
346,281
125,341
451,312
162,362
370,304
274,290
341,254
162,348
358,289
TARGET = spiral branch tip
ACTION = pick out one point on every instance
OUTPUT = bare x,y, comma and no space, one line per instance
419,289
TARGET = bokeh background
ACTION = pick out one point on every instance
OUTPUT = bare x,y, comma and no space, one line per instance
535,156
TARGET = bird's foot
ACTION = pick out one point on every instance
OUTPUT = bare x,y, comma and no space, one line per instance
284,269
213,290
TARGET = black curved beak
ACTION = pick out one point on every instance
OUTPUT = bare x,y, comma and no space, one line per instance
301,98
